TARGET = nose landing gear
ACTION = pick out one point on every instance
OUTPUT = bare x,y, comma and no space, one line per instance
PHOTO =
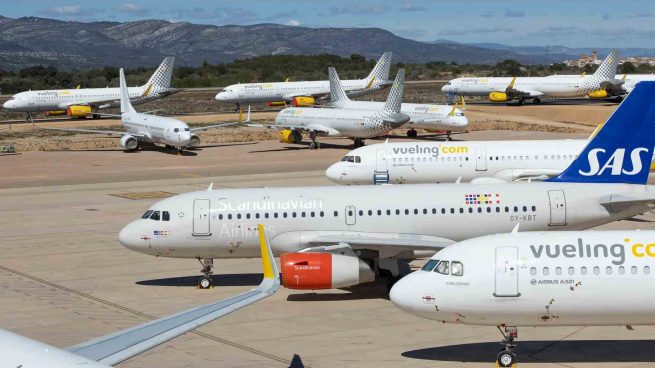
507,357
206,282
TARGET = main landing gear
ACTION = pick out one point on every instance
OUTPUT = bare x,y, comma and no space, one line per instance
313,143
412,133
359,142
507,357
206,282
238,109
448,137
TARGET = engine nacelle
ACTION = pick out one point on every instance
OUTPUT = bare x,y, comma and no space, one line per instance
290,136
498,97
601,93
55,113
195,141
79,111
275,103
129,142
312,271
302,101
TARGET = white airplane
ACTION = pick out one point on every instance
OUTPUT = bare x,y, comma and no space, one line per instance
422,116
106,351
502,89
534,279
629,82
142,127
342,122
305,93
338,236
87,101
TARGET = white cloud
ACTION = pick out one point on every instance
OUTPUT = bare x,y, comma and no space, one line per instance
66,10
293,22
132,8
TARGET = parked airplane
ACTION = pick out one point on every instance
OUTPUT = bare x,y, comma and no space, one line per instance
19,351
142,127
474,161
501,89
338,236
345,122
87,101
629,82
305,93
422,116
536,279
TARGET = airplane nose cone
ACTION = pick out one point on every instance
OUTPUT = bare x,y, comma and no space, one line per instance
334,173
130,237
220,97
445,88
406,295
8,105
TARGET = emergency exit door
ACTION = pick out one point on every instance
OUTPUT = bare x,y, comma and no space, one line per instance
201,217
480,159
507,272
351,215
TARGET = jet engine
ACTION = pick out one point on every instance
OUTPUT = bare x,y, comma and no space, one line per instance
129,142
312,271
498,96
302,101
79,111
275,103
290,136
55,113
195,141
601,93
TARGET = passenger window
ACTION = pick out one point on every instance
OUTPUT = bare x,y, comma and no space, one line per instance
571,270
239,215
257,215
229,216
646,270
583,270
147,214
220,216
442,268
546,271
621,270
336,213
596,270
429,265
558,271
633,270
457,268
533,271
155,216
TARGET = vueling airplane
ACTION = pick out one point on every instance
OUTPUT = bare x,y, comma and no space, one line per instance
534,279
342,122
447,162
143,127
87,101
305,93
421,116
338,236
501,89
106,351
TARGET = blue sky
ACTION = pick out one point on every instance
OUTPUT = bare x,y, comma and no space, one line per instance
574,23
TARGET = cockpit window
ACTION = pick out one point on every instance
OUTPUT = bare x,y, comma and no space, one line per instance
155,216
457,268
166,216
176,130
358,159
345,158
147,214
429,265
188,130
443,268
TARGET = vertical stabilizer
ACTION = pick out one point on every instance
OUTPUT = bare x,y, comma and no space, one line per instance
160,81
338,96
607,70
395,98
380,72
126,105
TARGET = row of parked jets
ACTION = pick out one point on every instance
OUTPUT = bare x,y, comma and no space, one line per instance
492,227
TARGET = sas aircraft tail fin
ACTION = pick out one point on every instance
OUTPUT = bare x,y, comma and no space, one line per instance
395,98
607,70
380,72
160,81
338,96
622,150
126,105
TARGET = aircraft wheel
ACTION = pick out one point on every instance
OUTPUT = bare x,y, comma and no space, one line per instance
297,137
506,358
536,101
618,99
205,282
412,133
521,102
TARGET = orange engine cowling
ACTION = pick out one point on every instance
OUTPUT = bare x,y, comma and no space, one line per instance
79,111
302,101
275,103
55,113
312,271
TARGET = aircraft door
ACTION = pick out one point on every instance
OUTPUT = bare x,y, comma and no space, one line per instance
201,217
480,159
381,161
557,207
351,215
507,272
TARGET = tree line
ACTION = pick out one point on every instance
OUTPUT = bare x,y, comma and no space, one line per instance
275,68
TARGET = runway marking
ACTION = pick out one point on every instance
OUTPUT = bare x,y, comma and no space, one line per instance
105,304
143,195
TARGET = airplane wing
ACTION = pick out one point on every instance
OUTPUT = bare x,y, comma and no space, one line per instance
223,125
619,202
526,92
120,346
93,131
304,128
368,240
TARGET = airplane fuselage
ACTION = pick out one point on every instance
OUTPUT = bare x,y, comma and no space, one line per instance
544,86
157,129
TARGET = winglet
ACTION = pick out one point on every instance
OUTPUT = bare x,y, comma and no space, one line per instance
511,84
78,86
211,186
452,112
583,74
463,102
515,230
268,259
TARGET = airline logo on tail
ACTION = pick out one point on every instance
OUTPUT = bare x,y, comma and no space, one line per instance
615,163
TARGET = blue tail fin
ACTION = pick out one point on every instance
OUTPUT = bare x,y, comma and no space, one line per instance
622,151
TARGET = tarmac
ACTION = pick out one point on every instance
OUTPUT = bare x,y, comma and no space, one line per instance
64,277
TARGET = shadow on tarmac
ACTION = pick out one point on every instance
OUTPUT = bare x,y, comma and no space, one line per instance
236,279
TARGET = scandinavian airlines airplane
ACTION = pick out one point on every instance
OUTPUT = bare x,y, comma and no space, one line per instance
87,101
502,89
533,279
141,127
422,116
342,122
305,93
338,236
106,351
